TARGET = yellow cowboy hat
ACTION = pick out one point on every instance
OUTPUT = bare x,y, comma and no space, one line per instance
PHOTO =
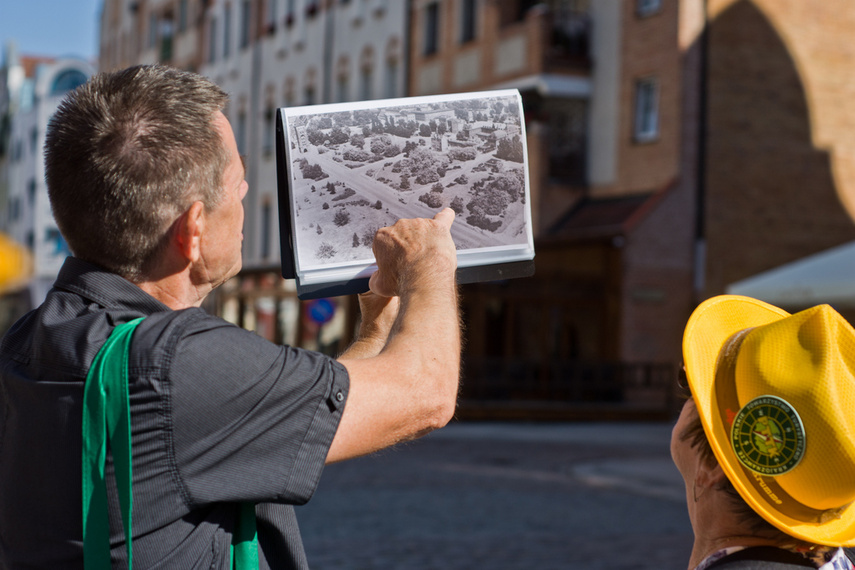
776,396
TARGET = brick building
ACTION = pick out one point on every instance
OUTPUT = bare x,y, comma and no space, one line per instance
602,86
780,150
31,88
267,54
676,146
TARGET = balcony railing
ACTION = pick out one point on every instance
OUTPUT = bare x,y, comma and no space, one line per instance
568,41
569,389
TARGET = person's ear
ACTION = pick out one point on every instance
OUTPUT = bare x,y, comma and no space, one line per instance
709,474
189,231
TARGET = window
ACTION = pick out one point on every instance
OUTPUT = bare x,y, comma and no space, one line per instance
566,139
265,229
309,96
241,133
54,238
166,34
212,40
66,81
34,140
290,9
269,126
467,21
289,89
647,7
227,31
182,16
431,29
391,78
646,110
246,23
513,11
270,17
365,91
359,10
342,88
152,30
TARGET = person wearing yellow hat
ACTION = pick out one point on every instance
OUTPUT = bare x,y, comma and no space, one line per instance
766,441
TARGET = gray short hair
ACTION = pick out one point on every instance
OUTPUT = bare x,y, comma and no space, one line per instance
125,155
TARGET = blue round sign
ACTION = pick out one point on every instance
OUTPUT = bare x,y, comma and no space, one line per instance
321,311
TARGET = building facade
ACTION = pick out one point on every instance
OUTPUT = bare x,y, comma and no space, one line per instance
268,54
780,153
32,89
675,147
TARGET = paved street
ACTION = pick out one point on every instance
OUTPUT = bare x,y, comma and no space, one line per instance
505,496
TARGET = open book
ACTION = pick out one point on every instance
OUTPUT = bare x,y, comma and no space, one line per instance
346,170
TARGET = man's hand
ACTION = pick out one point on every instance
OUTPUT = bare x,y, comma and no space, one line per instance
413,252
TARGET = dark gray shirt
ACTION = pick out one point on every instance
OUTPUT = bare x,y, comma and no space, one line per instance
219,416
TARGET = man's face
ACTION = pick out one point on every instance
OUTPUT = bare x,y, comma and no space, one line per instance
221,242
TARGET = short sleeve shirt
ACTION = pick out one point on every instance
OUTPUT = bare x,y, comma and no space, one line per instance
219,415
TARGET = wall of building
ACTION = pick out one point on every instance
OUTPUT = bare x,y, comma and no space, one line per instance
649,50
604,128
660,251
780,117
37,88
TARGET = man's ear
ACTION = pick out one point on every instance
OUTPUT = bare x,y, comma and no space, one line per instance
189,231
709,473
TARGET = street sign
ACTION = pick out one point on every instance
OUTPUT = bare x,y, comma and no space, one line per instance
321,311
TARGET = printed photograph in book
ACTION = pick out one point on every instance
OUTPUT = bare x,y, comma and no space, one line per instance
355,167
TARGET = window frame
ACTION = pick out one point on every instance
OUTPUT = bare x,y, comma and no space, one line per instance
430,39
644,8
245,24
645,124
468,21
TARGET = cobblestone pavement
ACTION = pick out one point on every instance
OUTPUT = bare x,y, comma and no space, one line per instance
505,497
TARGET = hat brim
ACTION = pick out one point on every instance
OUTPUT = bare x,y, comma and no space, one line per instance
709,327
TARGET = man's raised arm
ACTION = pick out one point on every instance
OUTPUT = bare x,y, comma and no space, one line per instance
409,387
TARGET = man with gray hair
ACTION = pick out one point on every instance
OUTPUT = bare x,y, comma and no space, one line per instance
146,183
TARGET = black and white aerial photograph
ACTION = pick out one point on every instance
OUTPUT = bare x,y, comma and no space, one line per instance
356,167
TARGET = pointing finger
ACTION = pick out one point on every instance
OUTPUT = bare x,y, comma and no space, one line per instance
445,217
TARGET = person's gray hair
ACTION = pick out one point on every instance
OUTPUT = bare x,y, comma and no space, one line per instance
125,156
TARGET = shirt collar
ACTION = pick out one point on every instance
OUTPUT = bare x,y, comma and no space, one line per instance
104,288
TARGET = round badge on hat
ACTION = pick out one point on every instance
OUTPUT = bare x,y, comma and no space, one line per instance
768,436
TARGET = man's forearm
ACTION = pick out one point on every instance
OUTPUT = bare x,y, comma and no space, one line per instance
410,386
377,317
427,333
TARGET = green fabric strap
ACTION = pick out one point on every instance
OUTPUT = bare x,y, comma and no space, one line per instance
107,416
244,549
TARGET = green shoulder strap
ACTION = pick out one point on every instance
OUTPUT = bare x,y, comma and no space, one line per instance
107,417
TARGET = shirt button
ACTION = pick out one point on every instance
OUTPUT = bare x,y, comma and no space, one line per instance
339,396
